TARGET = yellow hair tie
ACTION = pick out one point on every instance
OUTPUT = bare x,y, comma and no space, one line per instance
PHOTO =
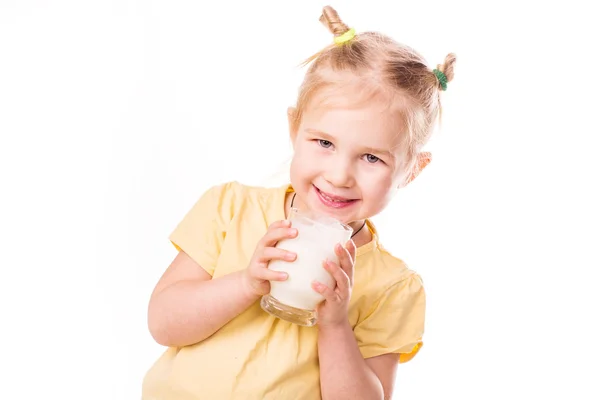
349,35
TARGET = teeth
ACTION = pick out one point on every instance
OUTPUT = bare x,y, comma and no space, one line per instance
334,200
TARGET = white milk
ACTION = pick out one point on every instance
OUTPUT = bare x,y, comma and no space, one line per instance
315,242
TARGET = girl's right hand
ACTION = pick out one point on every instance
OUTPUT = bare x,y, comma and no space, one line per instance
257,275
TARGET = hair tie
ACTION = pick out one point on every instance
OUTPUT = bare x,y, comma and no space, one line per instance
442,78
346,37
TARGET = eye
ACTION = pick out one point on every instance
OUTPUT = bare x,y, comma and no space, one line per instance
325,143
371,158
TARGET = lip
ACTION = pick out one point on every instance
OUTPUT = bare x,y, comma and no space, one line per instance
333,201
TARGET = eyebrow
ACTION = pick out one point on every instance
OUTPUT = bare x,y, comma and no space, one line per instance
321,134
368,149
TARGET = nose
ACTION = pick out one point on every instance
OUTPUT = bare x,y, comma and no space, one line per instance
339,174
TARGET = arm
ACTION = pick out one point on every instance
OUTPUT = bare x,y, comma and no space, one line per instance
345,374
187,306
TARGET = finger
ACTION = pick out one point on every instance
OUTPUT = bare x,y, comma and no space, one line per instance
270,275
351,247
345,260
276,234
284,223
341,278
274,253
330,295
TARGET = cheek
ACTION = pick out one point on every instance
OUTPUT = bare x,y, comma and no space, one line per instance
376,177
300,168
377,184
304,160
294,169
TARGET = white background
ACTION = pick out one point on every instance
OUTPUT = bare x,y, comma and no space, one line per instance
116,115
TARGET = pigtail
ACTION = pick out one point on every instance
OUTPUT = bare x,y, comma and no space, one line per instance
447,71
332,21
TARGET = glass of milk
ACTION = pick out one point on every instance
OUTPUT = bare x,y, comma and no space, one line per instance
294,299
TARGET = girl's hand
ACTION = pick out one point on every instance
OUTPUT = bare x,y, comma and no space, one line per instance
257,275
334,310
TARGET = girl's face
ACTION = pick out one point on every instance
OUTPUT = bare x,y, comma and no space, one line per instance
346,161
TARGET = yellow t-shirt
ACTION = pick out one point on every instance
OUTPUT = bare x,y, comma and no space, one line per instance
259,357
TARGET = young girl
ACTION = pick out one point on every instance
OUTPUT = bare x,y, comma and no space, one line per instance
365,109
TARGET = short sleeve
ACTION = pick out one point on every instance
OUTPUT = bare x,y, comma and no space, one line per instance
395,323
201,232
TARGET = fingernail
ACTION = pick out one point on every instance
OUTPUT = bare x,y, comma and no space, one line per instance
293,231
290,256
283,275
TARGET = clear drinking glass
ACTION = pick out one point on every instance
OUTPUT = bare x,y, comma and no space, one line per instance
294,299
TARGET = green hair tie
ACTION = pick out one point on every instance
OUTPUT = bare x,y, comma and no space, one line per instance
442,78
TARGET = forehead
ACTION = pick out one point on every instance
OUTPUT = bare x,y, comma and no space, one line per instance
369,121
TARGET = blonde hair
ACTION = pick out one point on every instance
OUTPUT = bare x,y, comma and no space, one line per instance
378,67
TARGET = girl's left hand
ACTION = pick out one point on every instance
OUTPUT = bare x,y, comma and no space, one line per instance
334,310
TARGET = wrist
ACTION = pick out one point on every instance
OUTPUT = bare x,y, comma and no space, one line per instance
248,289
334,328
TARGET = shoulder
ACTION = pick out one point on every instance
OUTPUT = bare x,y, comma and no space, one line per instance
236,188
399,269
230,191
384,271
384,281
233,197
238,192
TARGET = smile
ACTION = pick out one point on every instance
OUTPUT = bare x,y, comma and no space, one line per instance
333,201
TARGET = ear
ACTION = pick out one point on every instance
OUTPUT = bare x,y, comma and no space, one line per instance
291,112
423,160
